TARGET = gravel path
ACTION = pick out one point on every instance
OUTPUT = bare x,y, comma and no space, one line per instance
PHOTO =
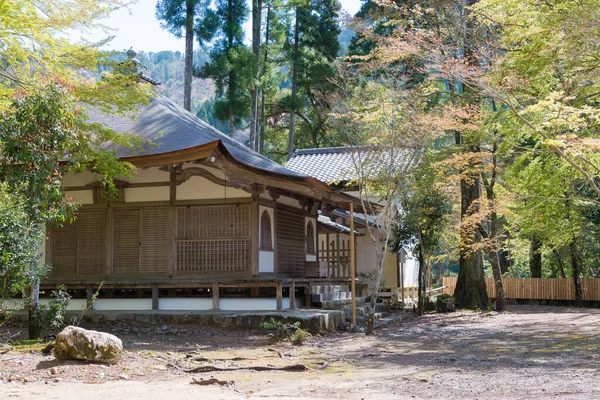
525,353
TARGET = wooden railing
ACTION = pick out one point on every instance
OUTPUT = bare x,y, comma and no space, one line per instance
537,288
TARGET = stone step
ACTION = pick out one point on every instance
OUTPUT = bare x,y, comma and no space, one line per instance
322,289
319,298
341,303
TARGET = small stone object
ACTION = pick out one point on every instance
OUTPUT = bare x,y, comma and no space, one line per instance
53,371
81,344
445,303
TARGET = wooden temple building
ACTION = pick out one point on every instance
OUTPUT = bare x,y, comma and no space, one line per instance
205,223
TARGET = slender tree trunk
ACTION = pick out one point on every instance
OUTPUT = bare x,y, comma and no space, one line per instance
189,56
503,257
576,267
256,25
559,261
34,328
535,258
371,316
421,277
294,83
263,122
498,283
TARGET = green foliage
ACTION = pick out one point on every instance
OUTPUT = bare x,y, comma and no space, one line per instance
52,315
19,245
285,331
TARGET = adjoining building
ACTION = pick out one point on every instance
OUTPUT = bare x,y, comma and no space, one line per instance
337,166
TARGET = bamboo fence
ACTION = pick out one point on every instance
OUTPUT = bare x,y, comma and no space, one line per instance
537,288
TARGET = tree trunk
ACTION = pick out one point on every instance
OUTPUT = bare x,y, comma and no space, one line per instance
559,261
34,328
263,122
294,83
421,279
470,289
189,56
498,283
256,21
535,258
576,267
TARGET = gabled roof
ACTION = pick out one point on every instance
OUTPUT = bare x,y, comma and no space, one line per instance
179,136
173,129
329,164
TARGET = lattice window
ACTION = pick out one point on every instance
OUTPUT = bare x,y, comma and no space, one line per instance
310,238
266,241
213,239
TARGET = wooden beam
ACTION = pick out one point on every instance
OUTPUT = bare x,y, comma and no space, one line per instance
215,296
352,267
279,294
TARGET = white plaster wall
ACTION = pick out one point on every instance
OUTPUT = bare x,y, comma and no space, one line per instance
366,261
199,188
81,196
18,304
80,179
185,304
311,257
122,304
266,261
145,175
411,271
160,193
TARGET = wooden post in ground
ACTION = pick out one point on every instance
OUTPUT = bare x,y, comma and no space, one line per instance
293,295
154,297
352,269
279,294
215,296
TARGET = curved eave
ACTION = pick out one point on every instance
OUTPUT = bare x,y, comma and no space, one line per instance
206,150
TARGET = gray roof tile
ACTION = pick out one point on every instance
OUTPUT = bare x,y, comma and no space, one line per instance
172,128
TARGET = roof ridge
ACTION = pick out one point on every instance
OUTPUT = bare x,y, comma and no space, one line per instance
328,150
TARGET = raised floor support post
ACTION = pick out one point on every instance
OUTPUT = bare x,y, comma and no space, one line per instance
279,294
154,297
215,296
293,295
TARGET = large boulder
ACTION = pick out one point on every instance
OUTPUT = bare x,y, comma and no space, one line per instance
445,303
80,344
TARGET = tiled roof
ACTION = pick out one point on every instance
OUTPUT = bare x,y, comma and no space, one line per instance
337,226
330,164
171,128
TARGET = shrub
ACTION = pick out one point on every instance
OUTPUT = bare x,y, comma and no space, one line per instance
285,331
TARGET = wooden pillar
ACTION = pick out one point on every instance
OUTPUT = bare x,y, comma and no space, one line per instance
352,271
293,295
154,297
89,294
308,295
279,294
215,296
172,262
254,231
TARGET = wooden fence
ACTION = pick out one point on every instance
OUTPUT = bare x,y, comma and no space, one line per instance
537,288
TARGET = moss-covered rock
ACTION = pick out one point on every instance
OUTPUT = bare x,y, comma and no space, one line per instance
81,344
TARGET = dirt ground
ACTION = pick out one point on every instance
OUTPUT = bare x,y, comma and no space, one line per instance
525,353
